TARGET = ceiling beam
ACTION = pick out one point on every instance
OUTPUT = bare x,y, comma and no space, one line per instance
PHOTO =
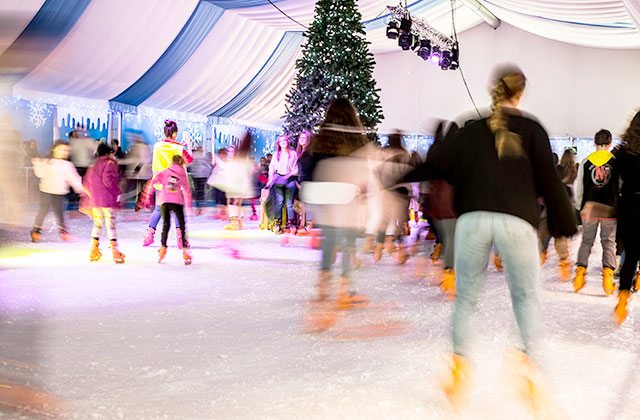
483,12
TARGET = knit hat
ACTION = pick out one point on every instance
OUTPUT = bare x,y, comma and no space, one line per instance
104,150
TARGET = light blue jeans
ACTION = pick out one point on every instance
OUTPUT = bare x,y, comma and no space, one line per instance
517,243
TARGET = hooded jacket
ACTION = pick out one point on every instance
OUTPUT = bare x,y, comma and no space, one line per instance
163,153
173,185
101,183
598,181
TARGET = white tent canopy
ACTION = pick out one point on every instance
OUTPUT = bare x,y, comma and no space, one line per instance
236,58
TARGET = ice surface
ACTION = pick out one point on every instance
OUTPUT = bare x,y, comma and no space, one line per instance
224,338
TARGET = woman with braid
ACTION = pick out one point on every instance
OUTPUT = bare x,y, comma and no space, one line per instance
498,166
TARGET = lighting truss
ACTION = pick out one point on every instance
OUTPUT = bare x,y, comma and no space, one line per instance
421,29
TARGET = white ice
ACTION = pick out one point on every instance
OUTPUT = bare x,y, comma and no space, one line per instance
224,338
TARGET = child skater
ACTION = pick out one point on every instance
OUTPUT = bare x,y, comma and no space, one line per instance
175,192
56,175
101,184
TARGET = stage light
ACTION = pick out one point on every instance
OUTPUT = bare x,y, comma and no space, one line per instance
428,43
392,30
425,49
416,43
455,57
436,55
405,41
445,61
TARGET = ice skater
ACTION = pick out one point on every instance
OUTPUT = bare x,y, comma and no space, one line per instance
57,174
498,166
174,195
101,184
163,153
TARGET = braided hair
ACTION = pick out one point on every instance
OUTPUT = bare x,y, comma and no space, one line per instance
509,84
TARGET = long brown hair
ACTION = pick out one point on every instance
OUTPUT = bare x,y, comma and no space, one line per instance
244,147
510,83
279,149
300,149
631,136
569,169
341,132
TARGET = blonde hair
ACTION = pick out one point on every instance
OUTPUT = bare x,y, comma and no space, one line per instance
509,84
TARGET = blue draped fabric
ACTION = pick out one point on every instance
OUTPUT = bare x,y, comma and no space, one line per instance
276,63
202,20
239,4
42,35
415,7
120,107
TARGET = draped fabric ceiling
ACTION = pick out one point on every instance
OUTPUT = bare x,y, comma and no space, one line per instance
232,58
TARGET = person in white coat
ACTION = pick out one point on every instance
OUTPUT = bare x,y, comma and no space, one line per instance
57,174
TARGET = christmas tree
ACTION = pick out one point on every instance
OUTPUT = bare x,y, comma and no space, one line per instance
335,62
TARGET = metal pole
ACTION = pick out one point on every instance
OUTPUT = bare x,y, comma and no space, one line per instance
483,12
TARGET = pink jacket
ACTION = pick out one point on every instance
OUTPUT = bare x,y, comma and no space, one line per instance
175,185
101,183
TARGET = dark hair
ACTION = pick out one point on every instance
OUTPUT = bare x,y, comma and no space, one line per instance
395,141
300,148
177,159
244,147
556,159
170,128
632,135
341,132
569,171
603,137
104,150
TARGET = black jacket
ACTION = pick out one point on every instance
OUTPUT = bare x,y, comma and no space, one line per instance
483,182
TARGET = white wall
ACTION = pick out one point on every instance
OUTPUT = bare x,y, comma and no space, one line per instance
572,90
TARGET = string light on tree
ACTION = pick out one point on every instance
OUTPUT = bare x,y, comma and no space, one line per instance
336,62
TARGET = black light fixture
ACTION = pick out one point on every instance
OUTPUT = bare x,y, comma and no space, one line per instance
455,57
427,42
392,30
405,40
425,49
436,55
445,61
416,43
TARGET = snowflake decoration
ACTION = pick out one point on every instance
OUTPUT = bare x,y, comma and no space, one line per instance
194,133
269,146
36,114
158,131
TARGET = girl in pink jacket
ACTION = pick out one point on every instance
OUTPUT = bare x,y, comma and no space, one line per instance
174,194
101,183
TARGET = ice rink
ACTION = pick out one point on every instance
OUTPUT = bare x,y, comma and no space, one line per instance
225,338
